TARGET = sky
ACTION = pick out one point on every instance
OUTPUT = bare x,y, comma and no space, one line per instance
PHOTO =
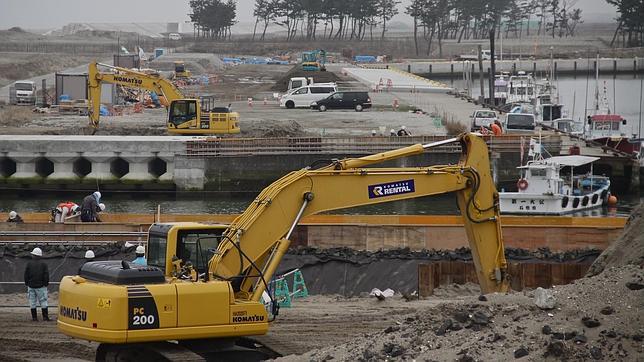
48,14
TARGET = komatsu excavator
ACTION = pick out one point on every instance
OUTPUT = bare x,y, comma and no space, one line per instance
185,116
202,289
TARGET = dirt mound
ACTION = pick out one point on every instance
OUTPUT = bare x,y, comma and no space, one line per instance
318,77
267,128
627,249
16,29
595,318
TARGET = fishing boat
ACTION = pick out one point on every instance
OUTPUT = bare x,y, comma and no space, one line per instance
543,189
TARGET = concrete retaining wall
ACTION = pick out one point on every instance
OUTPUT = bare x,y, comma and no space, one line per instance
562,66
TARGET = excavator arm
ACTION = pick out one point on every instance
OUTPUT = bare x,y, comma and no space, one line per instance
125,77
256,241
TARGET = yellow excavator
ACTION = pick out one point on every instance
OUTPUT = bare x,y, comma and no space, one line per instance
185,115
201,293
180,71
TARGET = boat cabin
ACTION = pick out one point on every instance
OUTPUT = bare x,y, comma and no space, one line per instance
606,125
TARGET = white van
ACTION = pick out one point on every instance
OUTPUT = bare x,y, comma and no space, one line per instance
303,97
174,36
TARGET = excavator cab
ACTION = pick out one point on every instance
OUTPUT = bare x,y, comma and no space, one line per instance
193,243
180,70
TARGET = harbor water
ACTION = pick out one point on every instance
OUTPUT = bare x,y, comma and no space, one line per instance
226,203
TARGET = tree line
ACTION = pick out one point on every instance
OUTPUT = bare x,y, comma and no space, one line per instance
213,18
630,22
433,20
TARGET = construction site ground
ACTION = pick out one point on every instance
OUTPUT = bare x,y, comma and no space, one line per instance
235,85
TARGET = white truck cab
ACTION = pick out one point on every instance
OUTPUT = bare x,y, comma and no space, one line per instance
297,82
22,92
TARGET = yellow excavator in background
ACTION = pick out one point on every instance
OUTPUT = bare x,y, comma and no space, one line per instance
185,115
202,289
180,70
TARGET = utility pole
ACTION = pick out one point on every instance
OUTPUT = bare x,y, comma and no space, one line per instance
482,96
492,70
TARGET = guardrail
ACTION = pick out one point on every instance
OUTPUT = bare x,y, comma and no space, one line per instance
222,147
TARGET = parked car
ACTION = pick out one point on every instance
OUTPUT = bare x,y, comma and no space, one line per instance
344,100
519,122
303,96
483,118
174,36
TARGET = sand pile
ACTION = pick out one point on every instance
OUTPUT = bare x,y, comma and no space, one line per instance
595,318
598,317
628,248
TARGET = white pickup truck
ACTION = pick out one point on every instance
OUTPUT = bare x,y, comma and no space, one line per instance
485,55
23,92
483,118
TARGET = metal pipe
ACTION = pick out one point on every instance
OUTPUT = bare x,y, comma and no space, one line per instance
299,214
72,233
440,143
14,283
71,242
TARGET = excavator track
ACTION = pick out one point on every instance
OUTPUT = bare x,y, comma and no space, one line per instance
240,350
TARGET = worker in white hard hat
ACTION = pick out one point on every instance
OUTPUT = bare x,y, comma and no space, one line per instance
403,131
140,256
90,207
64,210
89,255
14,217
37,280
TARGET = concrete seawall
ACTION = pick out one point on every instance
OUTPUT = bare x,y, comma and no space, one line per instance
191,163
540,66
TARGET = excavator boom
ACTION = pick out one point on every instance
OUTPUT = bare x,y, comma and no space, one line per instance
254,242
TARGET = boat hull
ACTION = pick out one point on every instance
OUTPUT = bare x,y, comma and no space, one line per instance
545,204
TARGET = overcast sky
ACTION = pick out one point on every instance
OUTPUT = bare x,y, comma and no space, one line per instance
43,14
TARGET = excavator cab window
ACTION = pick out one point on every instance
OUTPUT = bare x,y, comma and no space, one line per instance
198,246
156,250
183,111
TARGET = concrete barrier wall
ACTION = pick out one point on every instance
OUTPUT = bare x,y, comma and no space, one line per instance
360,232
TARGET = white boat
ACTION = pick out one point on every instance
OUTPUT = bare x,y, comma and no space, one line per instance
543,190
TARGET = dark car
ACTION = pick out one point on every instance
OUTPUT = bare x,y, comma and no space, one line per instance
344,100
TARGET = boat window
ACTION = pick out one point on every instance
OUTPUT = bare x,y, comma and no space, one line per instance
539,172
615,126
564,126
602,126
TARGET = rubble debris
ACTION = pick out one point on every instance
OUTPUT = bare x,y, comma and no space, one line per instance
544,299
634,285
590,322
521,352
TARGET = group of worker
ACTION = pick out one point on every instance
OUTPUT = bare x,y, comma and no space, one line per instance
402,131
88,210
37,279
495,128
